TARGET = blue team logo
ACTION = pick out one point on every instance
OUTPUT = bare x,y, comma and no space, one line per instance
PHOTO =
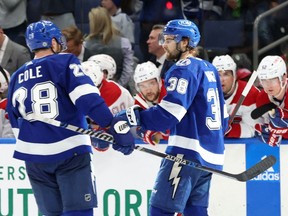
183,62
272,174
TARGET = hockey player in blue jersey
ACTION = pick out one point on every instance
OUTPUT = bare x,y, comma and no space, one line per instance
58,161
194,110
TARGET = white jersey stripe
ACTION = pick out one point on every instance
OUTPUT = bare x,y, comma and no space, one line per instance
82,90
175,109
52,148
193,144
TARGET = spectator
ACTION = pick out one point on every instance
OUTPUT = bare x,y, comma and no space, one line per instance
105,39
272,73
13,20
233,9
243,124
157,51
151,90
74,39
5,126
155,12
60,12
121,20
12,55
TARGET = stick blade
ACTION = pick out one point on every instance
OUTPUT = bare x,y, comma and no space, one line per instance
257,169
259,111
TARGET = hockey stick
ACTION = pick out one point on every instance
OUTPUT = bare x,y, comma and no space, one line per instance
244,176
247,175
259,111
243,96
96,134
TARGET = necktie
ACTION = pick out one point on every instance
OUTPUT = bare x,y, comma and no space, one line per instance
157,64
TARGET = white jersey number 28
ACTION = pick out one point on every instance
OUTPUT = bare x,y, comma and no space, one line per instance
43,100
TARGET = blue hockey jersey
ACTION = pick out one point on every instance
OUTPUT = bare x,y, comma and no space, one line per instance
194,110
53,87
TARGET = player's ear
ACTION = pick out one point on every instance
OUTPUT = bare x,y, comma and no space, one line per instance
55,46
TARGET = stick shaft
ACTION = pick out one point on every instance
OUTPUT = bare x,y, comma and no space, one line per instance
243,95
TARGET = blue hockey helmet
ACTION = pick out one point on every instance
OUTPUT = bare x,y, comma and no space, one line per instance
40,34
183,28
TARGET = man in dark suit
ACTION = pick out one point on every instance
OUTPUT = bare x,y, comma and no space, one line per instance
74,38
12,55
159,56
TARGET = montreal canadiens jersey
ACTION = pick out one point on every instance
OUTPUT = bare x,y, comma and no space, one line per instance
195,112
53,87
115,96
243,124
264,98
5,126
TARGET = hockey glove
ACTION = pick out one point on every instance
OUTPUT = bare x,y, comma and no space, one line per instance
263,133
131,115
148,136
99,145
124,140
279,118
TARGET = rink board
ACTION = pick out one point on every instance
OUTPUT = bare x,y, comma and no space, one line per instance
124,183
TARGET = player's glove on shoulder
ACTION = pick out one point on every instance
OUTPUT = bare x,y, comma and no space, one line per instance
124,140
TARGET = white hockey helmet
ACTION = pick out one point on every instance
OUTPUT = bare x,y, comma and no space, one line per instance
106,62
93,70
271,67
225,62
146,71
4,80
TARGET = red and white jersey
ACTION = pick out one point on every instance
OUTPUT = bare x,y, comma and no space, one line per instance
143,103
115,96
5,126
243,124
264,98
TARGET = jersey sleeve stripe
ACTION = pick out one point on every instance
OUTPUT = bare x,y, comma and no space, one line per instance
174,109
82,90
